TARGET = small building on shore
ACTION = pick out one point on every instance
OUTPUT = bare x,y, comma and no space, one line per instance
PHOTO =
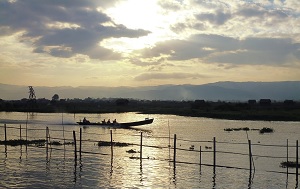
265,102
251,102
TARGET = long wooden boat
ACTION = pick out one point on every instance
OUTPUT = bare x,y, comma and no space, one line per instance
116,124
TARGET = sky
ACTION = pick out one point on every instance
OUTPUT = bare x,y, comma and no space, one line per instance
147,43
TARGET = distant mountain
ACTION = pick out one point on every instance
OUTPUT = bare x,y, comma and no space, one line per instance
228,91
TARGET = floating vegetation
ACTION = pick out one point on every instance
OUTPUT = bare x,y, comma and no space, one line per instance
131,151
19,142
262,131
291,164
192,147
55,143
237,129
266,130
106,143
133,157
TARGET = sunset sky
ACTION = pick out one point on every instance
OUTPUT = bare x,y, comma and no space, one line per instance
148,42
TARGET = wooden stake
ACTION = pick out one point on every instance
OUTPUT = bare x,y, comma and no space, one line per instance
174,158
75,149
287,156
200,158
250,156
111,144
47,141
141,146
214,154
5,137
297,157
80,143
47,135
20,132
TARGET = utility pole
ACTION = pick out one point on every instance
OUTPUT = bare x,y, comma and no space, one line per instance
31,93
32,98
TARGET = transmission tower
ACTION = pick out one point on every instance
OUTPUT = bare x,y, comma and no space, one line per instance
31,93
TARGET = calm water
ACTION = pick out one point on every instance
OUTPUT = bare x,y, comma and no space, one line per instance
34,167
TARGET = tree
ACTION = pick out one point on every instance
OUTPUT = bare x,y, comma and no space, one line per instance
55,97
122,102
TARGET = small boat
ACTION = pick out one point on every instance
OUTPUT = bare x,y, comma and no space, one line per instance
116,124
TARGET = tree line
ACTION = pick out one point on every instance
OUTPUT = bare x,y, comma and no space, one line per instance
288,110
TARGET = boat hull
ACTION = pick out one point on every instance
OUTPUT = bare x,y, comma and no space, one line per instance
122,125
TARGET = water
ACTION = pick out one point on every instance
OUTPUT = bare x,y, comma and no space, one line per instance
34,167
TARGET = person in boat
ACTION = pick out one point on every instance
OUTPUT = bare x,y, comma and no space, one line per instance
108,121
103,122
84,120
114,121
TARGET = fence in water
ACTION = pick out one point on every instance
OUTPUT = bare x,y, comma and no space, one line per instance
207,154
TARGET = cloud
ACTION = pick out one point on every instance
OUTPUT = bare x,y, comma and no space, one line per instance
64,28
147,62
221,49
181,27
170,5
217,18
166,76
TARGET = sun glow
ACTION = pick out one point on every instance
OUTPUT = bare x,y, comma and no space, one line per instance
136,14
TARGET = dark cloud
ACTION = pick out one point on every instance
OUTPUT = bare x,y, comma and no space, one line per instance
84,26
220,49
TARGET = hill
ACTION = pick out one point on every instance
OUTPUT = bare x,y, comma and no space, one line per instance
224,91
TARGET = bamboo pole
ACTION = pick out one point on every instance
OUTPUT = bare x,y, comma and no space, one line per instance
75,149
141,146
287,157
174,158
200,158
250,156
26,133
47,135
297,157
20,132
111,144
26,144
214,154
5,137
80,143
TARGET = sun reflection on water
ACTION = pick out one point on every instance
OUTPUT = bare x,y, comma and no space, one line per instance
35,167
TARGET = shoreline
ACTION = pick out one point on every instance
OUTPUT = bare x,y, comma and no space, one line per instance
276,111
212,115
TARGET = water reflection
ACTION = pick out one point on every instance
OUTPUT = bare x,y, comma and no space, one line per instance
20,155
75,170
119,171
141,171
111,166
5,151
214,180
174,173
250,179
